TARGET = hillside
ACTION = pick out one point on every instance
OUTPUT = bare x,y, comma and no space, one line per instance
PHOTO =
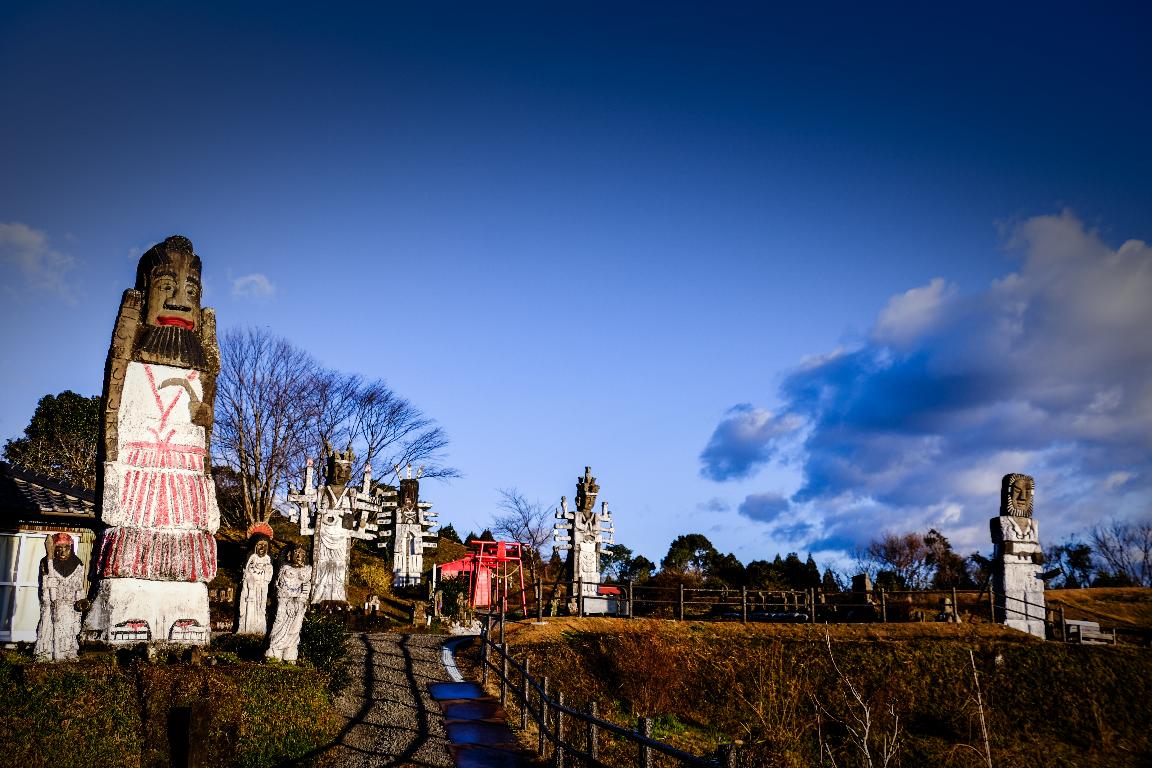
775,688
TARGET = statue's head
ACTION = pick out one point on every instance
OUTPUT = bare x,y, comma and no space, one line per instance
61,547
169,277
409,493
1016,491
298,556
261,547
338,469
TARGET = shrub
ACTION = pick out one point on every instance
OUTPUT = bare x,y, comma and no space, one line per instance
324,645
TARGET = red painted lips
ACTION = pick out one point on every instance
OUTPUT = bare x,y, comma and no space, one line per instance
177,321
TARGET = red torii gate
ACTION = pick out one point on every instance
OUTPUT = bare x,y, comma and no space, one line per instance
488,558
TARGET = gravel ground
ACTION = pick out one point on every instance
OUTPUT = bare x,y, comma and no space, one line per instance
391,720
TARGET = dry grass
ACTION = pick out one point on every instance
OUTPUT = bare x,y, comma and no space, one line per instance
1128,607
706,683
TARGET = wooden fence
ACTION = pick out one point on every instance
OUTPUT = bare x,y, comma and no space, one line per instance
545,599
572,737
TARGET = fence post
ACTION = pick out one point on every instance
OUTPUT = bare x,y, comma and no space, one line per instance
484,652
580,597
630,599
524,695
991,605
539,601
593,734
542,747
812,605
744,604
955,607
503,610
503,674
558,752
645,728
1063,627
681,610
883,606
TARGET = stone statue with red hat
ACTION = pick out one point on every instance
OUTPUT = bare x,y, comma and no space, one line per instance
62,601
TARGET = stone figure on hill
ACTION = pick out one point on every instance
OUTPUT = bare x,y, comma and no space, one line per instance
406,526
254,593
158,553
62,602
334,514
1017,557
292,586
584,532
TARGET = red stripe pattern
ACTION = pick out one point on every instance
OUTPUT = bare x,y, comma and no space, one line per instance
157,555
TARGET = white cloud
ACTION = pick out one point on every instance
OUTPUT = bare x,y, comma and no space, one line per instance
912,313
253,286
40,267
1048,372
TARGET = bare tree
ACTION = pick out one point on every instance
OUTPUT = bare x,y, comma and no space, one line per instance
529,523
276,407
1126,549
906,556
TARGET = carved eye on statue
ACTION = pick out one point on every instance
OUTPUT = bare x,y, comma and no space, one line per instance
192,288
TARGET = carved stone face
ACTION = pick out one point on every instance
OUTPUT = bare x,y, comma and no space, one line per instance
1016,495
298,557
173,292
261,548
61,552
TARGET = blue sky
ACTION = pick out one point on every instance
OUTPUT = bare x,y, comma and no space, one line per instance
785,277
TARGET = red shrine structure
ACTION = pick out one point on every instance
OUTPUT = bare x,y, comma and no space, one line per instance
488,569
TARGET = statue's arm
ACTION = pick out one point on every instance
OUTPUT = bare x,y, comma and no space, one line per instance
204,415
119,355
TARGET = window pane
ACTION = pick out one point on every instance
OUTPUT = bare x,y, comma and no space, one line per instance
6,594
8,544
30,556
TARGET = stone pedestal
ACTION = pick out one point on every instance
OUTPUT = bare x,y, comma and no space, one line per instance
1017,559
138,610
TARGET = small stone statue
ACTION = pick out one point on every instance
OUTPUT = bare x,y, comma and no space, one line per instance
292,587
254,593
62,602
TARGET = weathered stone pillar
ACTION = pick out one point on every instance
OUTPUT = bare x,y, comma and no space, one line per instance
1017,557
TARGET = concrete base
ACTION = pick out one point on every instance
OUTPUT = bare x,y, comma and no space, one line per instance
128,611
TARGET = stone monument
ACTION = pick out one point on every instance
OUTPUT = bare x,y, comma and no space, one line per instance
1017,557
292,586
157,553
334,514
62,601
254,592
406,525
584,532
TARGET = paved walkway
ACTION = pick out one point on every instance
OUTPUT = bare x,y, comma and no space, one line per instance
403,711
391,720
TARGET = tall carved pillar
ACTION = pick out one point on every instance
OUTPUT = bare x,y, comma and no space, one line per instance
584,532
157,499
1017,558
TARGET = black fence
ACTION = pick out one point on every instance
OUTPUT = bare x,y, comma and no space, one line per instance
573,737
815,606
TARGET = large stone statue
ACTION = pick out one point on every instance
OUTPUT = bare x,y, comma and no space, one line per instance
62,601
292,586
406,526
334,515
158,501
1017,557
254,592
584,532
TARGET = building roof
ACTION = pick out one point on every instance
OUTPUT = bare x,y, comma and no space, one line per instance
26,497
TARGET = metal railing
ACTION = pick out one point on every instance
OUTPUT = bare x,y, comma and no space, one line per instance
569,734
